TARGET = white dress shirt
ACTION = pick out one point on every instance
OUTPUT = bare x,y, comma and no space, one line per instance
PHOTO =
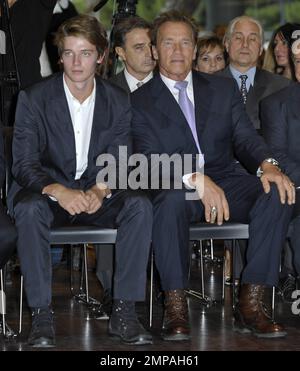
190,92
133,82
175,92
82,115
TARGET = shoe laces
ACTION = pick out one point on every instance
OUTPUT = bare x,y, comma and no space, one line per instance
125,310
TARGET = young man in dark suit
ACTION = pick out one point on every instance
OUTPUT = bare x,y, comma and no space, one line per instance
182,112
62,127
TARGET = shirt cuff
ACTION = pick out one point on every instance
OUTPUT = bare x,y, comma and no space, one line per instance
185,180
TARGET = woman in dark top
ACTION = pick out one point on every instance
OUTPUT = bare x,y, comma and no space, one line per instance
29,22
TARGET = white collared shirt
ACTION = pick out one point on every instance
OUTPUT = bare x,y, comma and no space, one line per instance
190,92
175,92
132,81
82,115
250,74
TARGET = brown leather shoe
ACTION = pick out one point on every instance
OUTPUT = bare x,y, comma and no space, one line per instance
176,317
251,316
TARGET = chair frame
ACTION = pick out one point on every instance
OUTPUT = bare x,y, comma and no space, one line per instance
76,235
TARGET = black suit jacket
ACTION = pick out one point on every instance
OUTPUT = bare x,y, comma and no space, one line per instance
280,115
44,143
2,161
265,83
120,80
223,126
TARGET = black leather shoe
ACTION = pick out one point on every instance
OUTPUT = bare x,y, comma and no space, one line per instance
42,330
125,325
105,308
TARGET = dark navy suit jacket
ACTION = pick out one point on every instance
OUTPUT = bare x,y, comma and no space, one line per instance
44,143
2,161
120,80
265,83
223,127
280,114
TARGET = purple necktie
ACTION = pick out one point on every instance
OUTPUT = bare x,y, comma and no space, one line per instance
189,112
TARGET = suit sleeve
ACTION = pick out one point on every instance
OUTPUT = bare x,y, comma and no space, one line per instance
249,147
275,131
2,160
50,4
27,168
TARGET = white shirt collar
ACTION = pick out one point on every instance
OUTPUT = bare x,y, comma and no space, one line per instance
132,81
171,83
71,97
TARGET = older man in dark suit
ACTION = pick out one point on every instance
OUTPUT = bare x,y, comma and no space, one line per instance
280,115
133,46
188,113
62,125
244,44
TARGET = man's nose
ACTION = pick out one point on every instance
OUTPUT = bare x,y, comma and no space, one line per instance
77,59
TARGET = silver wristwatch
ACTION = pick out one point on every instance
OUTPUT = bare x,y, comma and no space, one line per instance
270,160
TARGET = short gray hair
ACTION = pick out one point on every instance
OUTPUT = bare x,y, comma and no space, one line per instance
234,21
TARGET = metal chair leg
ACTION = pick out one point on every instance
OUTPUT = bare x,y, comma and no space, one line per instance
273,303
211,249
205,300
21,304
3,302
94,306
151,290
223,277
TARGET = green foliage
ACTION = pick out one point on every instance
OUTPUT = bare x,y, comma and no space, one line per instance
269,15
150,9
80,5
147,9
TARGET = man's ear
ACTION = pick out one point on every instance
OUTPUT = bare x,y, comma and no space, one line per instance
121,52
195,52
154,53
226,44
101,58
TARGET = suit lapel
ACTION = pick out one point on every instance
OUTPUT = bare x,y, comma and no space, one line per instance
256,91
295,99
61,118
167,105
203,95
100,121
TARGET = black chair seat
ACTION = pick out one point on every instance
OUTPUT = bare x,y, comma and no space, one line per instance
206,231
198,231
82,234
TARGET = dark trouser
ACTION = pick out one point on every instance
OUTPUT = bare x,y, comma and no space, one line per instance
295,234
105,265
130,212
8,237
268,222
